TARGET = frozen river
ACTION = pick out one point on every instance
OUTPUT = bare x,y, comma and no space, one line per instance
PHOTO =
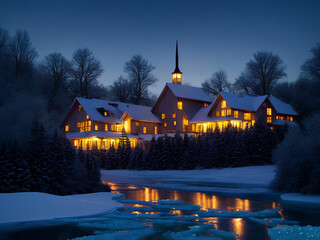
244,227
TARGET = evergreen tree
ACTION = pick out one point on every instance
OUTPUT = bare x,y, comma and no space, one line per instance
124,150
135,161
177,150
150,155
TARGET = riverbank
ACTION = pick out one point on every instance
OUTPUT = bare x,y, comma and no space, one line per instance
36,206
250,181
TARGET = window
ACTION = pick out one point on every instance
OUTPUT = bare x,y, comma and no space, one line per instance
137,123
228,112
174,115
96,127
223,104
205,104
277,117
288,118
79,108
291,119
163,116
113,142
155,130
235,114
269,111
253,122
247,116
105,113
84,126
144,130
66,128
217,114
269,120
223,113
175,123
87,116
106,127
180,105
115,128
165,124
185,121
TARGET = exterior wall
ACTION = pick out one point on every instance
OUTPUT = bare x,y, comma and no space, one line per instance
76,116
261,113
150,127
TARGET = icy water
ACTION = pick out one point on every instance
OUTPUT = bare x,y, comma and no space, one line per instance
245,228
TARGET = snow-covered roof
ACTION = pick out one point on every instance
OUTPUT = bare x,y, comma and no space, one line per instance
282,107
202,115
91,106
189,92
243,102
142,113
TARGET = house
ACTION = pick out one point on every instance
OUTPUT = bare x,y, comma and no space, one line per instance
178,109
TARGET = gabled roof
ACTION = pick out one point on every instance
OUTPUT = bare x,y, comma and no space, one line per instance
281,107
202,115
141,113
243,102
189,92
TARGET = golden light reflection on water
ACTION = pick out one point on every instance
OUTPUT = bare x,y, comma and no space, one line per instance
237,225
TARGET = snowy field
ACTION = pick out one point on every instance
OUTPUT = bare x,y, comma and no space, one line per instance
34,206
252,180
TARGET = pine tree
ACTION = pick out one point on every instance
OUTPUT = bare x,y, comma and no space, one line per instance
150,155
135,161
177,153
124,150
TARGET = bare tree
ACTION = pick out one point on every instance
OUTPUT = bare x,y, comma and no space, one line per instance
4,40
216,83
140,77
58,69
261,74
121,90
311,67
85,70
22,53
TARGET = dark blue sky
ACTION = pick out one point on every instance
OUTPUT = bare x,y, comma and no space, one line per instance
211,34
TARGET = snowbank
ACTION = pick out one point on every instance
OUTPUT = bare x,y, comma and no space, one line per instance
297,197
33,206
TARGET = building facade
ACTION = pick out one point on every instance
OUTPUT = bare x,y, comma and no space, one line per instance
94,123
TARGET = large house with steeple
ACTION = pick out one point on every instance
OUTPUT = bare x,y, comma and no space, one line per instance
178,109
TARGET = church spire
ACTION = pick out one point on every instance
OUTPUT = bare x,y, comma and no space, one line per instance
177,74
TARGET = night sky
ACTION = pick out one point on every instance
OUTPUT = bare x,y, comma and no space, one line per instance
211,34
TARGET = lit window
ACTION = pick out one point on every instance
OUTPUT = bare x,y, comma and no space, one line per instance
269,111
66,128
217,114
163,116
116,128
87,116
165,124
291,119
180,105
155,130
247,116
174,122
96,127
144,130
174,115
106,127
105,113
253,122
79,108
193,127
137,123
277,117
235,114
113,142
223,104
228,112
288,118
205,104
185,121
269,120
84,126
223,113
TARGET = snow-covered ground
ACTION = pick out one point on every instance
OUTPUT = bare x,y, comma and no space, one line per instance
34,206
232,181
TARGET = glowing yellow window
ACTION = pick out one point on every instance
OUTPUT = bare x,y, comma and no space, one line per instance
155,130
291,119
163,116
269,111
247,116
269,120
174,115
223,113
144,130
205,104
87,116
96,127
137,123
66,128
106,127
223,104
277,117
179,104
217,113
185,121
253,122
235,114
113,142
193,127
165,124
79,108
228,112
174,122
105,113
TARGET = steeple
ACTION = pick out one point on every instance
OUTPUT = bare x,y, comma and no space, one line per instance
177,74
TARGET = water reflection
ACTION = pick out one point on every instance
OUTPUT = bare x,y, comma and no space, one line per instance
205,200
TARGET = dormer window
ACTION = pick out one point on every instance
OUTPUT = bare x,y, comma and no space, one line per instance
105,113
269,111
87,116
205,104
66,128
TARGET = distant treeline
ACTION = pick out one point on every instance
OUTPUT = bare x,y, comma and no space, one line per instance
231,148
47,163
